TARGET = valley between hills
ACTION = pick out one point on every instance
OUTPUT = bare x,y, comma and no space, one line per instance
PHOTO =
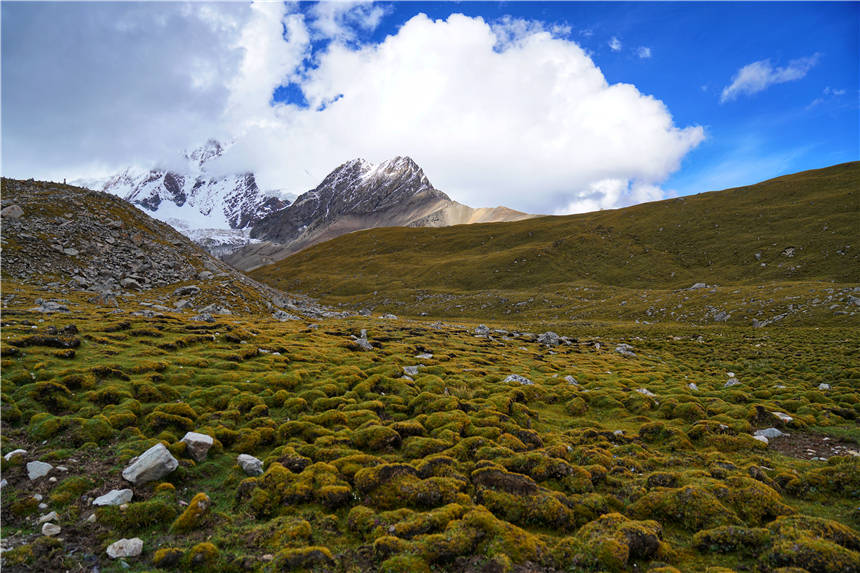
673,386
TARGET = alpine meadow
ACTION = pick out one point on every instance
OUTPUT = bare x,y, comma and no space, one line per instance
482,287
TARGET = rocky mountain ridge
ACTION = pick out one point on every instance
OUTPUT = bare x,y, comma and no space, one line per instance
215,210
359,195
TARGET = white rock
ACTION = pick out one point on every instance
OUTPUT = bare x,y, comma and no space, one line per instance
125,548
3,483
424,356
646,392
824,386
482,330
618,433
49,517
519,379
91,518
14,453
43,506
761,438
250,465
114,497
732,381
50,529
411,370
35,470
571,380
783,416
692,386
153,464
197,445
769,433
38,496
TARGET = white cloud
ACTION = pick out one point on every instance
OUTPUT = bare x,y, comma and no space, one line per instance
339,19
760,75
615,44
644,52
505,113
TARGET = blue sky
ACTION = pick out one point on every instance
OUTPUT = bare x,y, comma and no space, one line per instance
546,107
693,50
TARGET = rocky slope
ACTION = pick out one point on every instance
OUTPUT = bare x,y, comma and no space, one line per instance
214,210
359,195
63,239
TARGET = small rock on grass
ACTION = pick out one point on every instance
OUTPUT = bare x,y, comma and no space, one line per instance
115,497
14,453
50,529
250,465
153,464
519,379
49,517
125,548
769,433
35,470
198,445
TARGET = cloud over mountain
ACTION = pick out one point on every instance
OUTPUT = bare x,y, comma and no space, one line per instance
507,113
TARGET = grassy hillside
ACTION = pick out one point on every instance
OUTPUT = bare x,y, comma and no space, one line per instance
603,461
800,229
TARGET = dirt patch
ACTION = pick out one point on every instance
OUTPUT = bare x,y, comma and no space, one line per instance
811,446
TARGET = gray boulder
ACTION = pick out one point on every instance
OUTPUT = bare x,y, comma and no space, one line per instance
548,339
769,433
13,453
125,548
50,529
189,290
482,330
625,350
197,445
153,464
35,470
362,341
250,465
115,497
519,380
12,212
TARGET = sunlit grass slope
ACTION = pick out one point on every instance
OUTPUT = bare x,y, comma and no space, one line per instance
798,229
602,462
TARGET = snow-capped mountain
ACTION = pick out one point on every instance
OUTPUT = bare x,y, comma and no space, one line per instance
216,211
359,195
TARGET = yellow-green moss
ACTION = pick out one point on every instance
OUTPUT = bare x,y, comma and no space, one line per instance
193,515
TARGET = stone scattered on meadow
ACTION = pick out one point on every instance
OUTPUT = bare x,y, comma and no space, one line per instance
625,350
412,370
761,438
50,529
548,339
362,341
482,330
692,386
153,464
783,417
732,381
519,379
37,469
571,380
13,453
49,517
197,445
125,548
115,497
250,465
770,433
646,392
824,386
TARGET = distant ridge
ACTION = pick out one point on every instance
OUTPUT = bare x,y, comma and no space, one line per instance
360,195
786,231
